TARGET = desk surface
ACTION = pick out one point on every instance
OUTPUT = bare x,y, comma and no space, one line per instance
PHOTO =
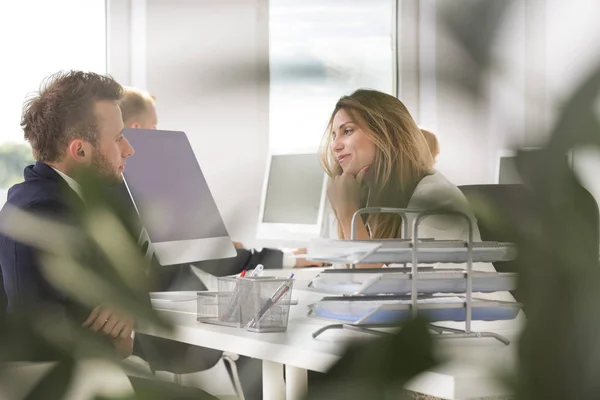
469,372
294,347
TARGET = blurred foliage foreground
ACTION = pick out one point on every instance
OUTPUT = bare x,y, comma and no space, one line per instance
13,158
93,259
559,349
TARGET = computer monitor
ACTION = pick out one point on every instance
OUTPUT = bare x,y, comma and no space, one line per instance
506,170
294,195
173,200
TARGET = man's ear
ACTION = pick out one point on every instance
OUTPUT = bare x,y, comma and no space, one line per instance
77,150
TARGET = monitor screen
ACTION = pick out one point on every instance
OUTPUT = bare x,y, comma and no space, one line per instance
293,199
508,172
294,188
173,199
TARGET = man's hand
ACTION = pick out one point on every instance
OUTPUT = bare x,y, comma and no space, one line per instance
109,322
123,346
302,262
238,245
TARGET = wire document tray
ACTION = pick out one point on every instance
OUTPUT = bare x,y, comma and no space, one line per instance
401,251
384,310
362,313
398,281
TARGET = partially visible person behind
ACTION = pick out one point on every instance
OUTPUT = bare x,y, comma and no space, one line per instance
74,122
139,111
432,143
376,156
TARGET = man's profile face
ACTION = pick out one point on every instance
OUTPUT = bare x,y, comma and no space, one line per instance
108,158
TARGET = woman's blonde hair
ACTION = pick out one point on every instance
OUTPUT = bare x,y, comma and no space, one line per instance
402,156
432,142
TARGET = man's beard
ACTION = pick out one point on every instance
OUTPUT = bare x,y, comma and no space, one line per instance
102,167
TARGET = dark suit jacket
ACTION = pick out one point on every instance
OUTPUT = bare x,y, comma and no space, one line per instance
44,193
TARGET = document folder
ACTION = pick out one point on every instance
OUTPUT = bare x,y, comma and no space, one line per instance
393,309
398,281
400,251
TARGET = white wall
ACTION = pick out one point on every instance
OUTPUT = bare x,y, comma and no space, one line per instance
471,130
544,49
207,64
118,40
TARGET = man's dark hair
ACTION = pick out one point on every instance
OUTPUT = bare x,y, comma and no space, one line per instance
63,109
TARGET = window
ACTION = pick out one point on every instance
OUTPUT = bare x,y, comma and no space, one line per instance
320,50
40,37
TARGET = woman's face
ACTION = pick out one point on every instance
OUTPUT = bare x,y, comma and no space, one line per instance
350,145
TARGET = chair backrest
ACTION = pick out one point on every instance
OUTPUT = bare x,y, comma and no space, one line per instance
511,200
515,201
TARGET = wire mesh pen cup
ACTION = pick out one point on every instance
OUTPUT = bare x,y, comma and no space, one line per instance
230,297
266,304
222,307
207,306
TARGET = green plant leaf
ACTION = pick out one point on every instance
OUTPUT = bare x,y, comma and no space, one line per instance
55,383
379,367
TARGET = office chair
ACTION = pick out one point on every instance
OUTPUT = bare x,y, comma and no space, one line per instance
515,201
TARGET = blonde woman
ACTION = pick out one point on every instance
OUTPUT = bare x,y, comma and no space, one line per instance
376,155
432,143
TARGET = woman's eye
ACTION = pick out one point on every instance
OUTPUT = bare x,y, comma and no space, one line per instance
348,131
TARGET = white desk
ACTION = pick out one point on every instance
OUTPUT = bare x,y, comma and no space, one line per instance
468,375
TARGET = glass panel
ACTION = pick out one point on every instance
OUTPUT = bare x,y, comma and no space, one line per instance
41,37
320,50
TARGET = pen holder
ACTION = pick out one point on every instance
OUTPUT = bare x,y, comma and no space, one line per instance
222,307
266,303
230,297
207,306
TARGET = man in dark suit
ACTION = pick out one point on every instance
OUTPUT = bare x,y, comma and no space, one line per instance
73,123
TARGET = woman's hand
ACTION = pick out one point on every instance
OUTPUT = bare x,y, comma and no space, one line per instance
344,193
302,262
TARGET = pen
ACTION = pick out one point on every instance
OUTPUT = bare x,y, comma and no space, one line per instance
235,299
257,271
278,294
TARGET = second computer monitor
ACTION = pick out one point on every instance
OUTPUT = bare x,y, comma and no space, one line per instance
506,169
293,198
